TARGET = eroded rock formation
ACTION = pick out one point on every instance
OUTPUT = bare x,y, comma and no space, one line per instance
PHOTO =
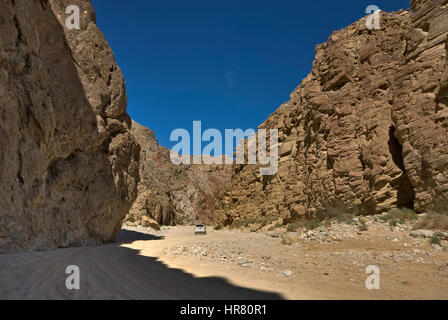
367,129
172,194
68,164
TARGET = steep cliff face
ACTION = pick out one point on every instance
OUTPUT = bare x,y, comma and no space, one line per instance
420,104
68,164
366,130
172,194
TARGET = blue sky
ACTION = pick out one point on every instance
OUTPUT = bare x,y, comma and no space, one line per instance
229,64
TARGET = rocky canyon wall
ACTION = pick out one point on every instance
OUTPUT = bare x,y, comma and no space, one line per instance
68,163
367,129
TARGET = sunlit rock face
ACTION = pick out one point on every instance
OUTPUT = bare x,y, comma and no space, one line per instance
68,163
367,129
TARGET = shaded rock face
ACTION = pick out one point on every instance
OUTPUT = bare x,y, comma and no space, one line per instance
367,130
68,164
172,194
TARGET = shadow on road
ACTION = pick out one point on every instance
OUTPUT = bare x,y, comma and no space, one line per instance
110,272
127,236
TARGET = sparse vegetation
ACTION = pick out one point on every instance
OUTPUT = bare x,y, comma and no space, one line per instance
238,224
291,227
399,216
307,224
336,210
313,224
433,221
437,217
262,221
439,206
267,220
339,212
393,223
245,223
436,239
363,226
217,227
275,226
345,218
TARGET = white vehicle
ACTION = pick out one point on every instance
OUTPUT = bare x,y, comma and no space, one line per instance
200,229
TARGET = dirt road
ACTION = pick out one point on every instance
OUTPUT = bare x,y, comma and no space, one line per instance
176,264
110,272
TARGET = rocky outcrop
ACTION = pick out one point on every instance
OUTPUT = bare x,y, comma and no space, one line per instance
68,164
366,130
172,194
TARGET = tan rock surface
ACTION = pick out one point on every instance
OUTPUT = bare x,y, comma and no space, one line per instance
366,130
68,164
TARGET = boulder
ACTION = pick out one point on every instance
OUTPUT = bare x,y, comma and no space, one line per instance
287,273
147,222
290,238
422,233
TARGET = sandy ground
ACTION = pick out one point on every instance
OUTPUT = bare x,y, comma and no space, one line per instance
176,264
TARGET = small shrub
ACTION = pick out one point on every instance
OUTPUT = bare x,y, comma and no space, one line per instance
304,223
345,218
393,223
262,220
439,206
238,224
217,227
265,220
433,221
436,239
437,217
336,209
326,223
275,226
313,224
363,226
294,226
399,215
